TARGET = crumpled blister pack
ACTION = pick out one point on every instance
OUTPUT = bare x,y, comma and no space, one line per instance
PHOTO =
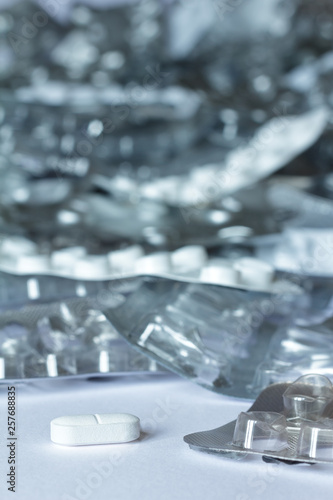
140,201
214,335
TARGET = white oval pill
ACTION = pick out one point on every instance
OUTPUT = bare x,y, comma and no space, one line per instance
219,274
32,264
254,272
155,263
124,260
188,258
66,257
105,428
92,267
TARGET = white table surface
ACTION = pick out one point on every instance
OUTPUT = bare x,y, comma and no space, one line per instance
159,465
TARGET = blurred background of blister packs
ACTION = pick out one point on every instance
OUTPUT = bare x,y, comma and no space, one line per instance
166,190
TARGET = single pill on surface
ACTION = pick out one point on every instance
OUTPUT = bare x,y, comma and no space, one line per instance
105,428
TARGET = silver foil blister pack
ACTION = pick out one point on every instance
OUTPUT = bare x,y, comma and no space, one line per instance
288,422
214,335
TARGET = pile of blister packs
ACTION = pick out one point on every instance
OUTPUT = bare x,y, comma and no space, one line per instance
166,195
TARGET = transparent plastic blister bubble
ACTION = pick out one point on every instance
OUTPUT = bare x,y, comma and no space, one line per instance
294,351
316,440
260,431
290,422
61,339
216,322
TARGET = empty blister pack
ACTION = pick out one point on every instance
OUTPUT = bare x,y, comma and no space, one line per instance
63,339
290,422
213,335
200,331
295,351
